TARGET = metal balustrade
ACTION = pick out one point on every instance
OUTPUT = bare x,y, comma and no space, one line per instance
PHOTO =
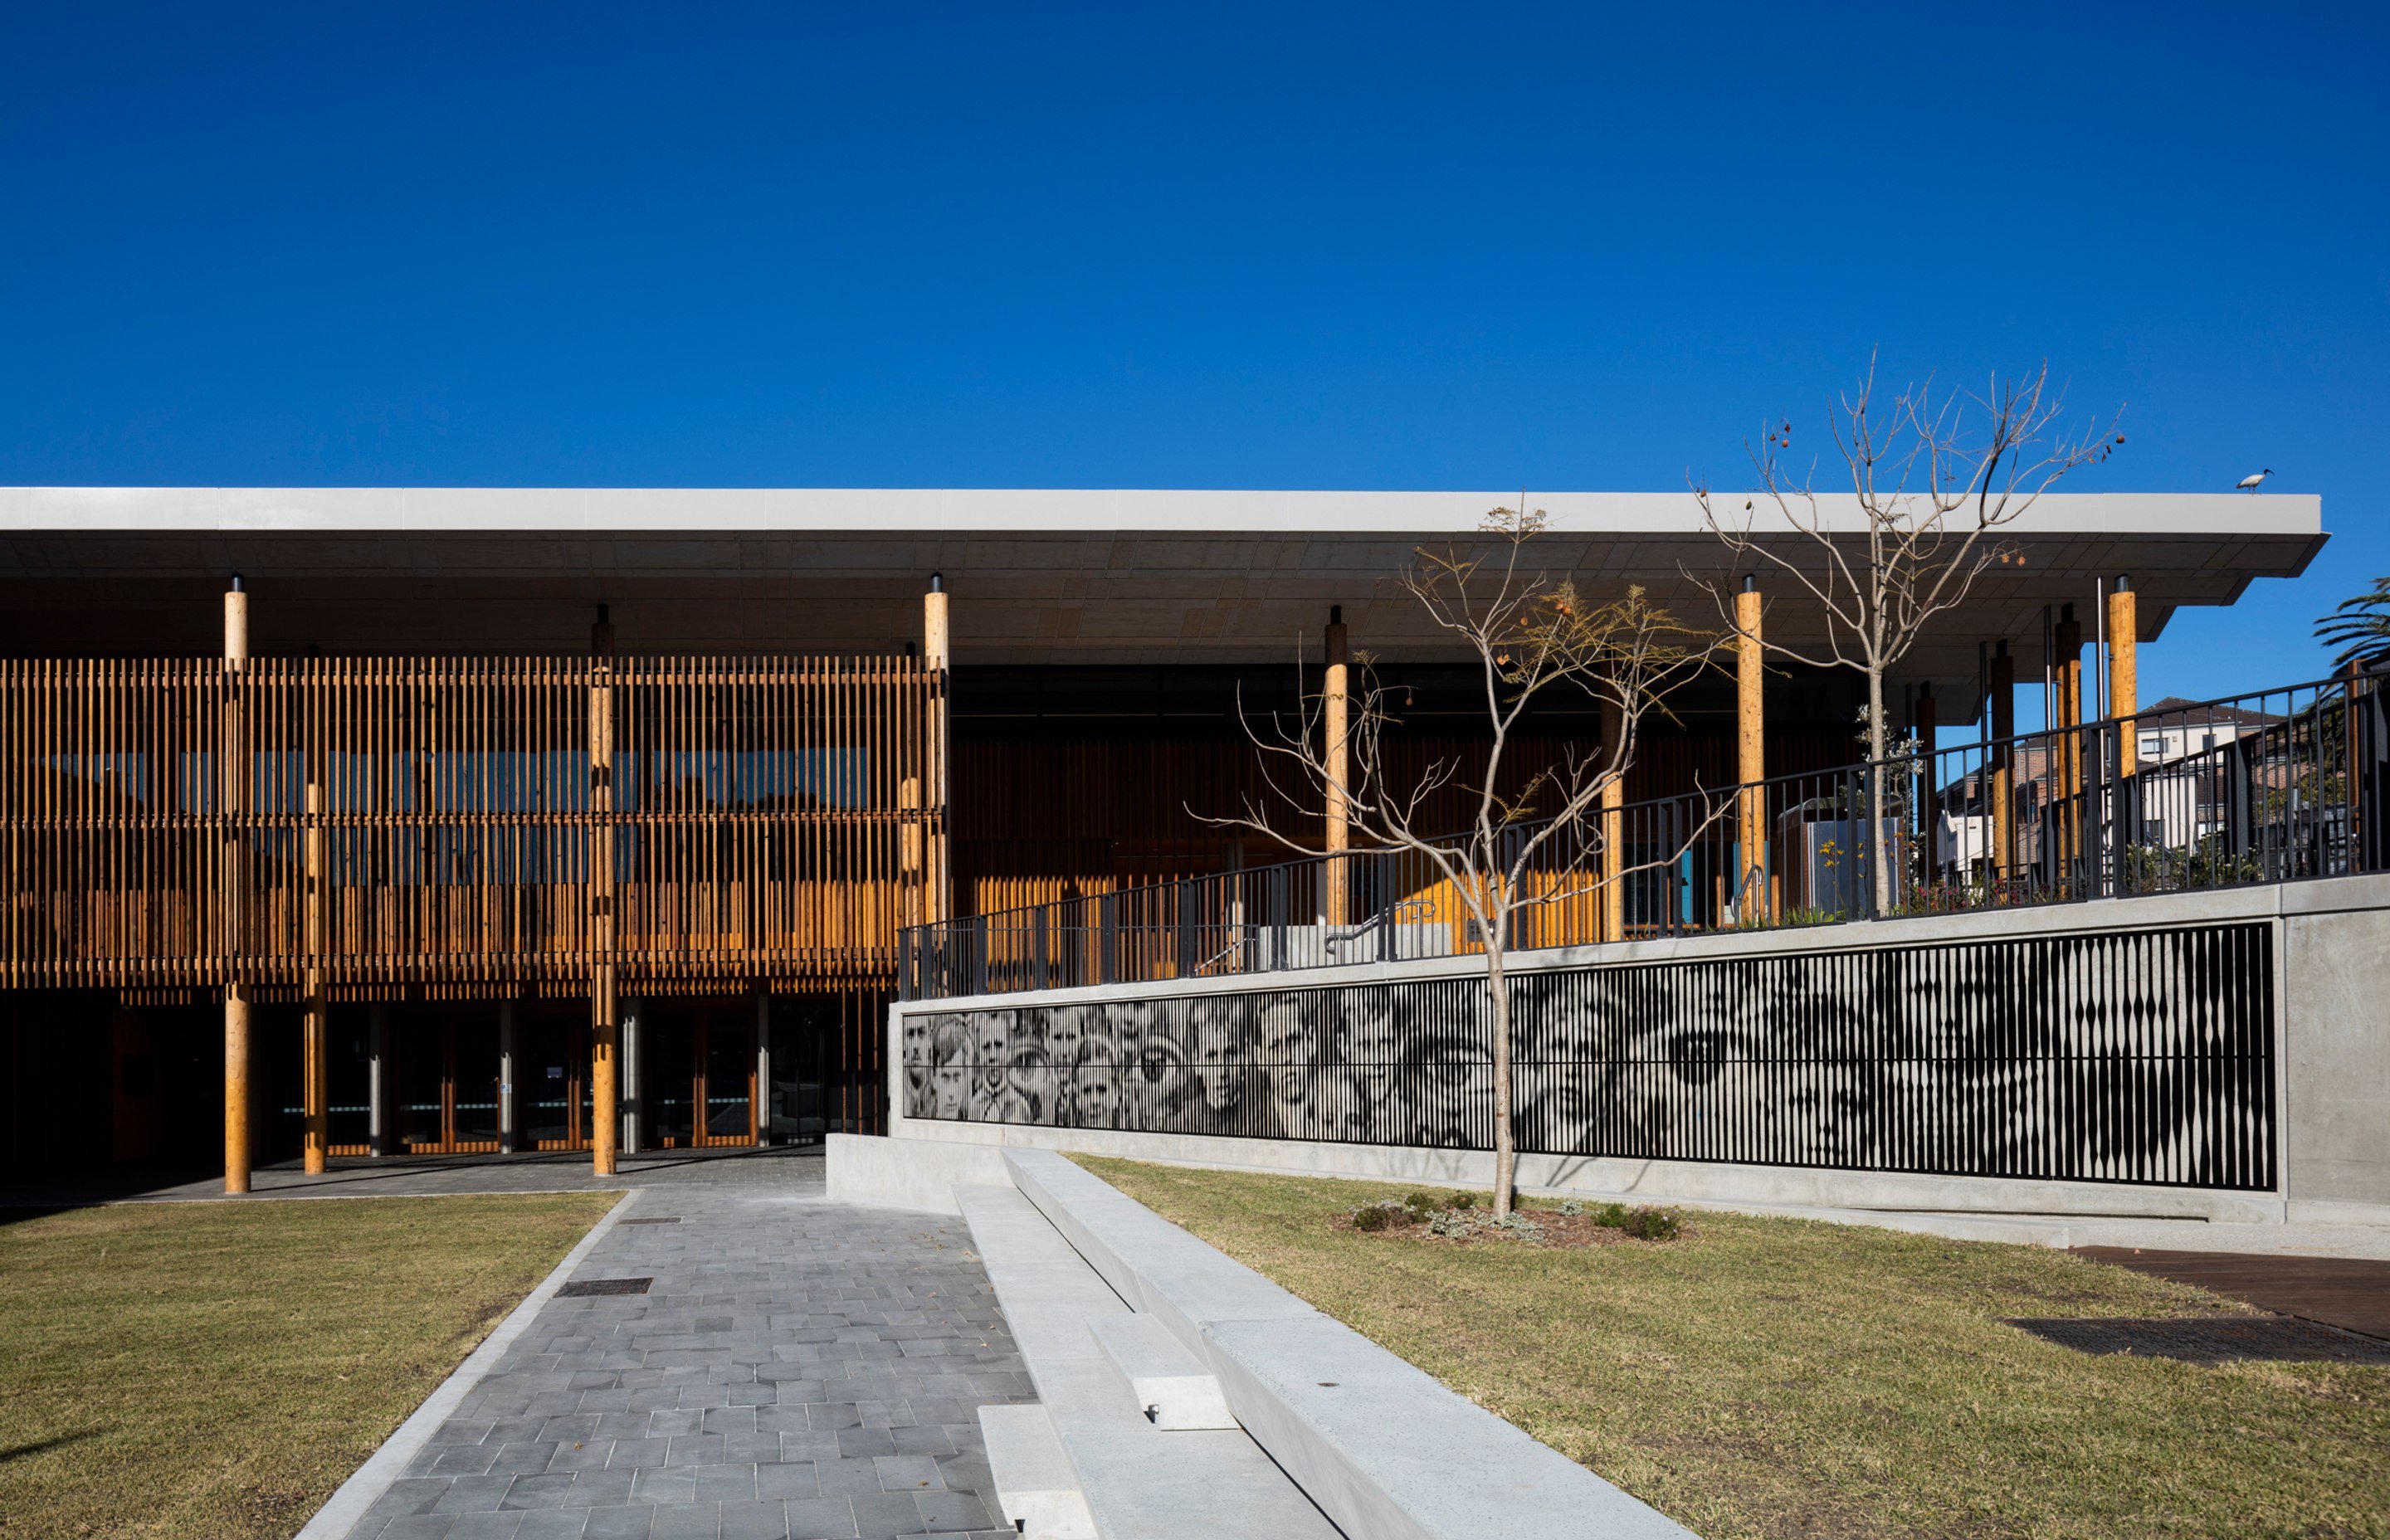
2274,786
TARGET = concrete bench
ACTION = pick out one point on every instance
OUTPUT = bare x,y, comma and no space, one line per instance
1033,1482
1138,1481
1381,1446
1163,1378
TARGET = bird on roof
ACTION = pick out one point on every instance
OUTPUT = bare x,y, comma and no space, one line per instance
2248,483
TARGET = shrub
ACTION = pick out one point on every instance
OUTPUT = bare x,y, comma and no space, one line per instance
1422,1204
1520,1225
1651,1224
1610,1216
1382,1216
1466,1200
1452,1224
1571,1208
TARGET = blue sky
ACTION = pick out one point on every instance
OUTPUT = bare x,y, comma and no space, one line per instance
1382,246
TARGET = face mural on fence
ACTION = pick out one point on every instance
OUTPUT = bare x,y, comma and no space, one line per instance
2130,1057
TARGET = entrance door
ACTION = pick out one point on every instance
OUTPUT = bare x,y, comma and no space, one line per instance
552,1078
698,1080
448,1082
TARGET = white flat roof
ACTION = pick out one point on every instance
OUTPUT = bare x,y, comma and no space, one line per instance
1027,511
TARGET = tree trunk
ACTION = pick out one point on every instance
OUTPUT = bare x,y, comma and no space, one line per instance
1505,1152
1880,862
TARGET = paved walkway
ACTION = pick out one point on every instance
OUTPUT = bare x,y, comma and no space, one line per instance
796,1168
2343,1291
797,1368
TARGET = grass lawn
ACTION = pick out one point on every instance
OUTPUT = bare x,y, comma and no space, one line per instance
1776,1377
206,1370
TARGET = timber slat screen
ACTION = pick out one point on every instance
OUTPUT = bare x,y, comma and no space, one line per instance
157,817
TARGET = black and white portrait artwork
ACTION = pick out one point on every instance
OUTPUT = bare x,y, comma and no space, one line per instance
2139,1057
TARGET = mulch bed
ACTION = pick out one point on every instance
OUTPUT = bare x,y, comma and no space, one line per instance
1561,1232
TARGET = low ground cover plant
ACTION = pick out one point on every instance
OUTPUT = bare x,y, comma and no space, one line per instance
1464,1215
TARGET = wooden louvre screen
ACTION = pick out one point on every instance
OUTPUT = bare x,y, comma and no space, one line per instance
739,819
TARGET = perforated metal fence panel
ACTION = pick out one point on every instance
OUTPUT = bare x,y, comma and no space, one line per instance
2142,1057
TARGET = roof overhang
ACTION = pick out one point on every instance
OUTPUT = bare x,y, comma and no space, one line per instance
1061,576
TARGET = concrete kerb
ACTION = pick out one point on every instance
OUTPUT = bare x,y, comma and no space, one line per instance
341,1512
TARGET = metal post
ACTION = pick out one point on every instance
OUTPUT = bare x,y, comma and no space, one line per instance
1107,938
382,1120
760,1105
631,1116
509,1126
1187,889
1335,707
1039,940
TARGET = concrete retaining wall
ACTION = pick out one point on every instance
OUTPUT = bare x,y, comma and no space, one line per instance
2332,1058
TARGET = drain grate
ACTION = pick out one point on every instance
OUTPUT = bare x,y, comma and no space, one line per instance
2214,1340
583,1289
673,1219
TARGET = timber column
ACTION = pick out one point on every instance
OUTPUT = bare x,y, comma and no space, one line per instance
605,1110
1751,754
235,774
1612,923
2123,670
2003,757
315,1074
1335,707
2068,671
936,656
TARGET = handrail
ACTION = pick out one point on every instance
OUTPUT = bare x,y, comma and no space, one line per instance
2294,784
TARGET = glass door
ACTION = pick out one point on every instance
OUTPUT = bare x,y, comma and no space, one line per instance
698,1081
668,1077
726,1091
447,1081
552,1080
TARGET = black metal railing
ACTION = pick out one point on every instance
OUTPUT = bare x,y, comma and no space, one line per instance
2273,785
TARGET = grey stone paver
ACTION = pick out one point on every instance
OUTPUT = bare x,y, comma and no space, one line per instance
799,1368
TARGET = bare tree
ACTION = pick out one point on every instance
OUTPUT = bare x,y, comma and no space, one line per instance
1935,477
1532,637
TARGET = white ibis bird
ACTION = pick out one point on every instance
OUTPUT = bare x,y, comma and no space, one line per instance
2248,483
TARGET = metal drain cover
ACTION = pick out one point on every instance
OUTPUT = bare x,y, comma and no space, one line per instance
582,1288
672,1219
2215,1339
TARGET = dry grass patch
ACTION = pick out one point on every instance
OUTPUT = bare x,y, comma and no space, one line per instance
217,1369
1783,1378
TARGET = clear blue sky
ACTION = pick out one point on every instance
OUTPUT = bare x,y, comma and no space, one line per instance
1382,246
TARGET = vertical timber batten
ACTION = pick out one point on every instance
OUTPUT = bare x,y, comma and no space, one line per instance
937,657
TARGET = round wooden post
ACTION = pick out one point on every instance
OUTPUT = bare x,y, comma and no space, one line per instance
234,782
2123,670
2069,743
1335,712
315,1071
1751,753
1613,909
937,653
605,1107
2003,756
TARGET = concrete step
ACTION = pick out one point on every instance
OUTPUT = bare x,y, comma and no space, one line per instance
1164,1380
1139,1483
1033,1482
1386,1451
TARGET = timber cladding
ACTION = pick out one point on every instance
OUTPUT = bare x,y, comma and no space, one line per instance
449,823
